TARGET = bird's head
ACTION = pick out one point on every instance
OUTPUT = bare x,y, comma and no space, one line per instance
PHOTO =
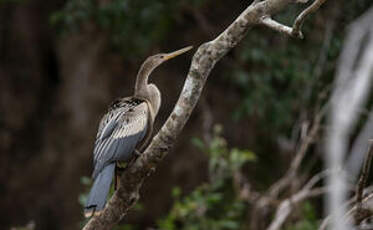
155,60
142,89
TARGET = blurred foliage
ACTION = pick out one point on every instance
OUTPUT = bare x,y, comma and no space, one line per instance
277,77
133,26
353,9
216,204
277,81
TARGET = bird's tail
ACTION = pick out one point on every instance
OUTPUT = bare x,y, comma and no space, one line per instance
99,191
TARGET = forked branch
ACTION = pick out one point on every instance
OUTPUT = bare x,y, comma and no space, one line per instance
296,30
286,206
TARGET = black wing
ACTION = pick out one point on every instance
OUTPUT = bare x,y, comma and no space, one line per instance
119,132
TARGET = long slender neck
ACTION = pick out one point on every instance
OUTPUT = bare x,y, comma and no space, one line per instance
142,80
148,92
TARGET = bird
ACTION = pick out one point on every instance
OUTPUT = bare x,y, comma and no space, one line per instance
125,131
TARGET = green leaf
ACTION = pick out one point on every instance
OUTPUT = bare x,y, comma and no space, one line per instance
176,192
198,143
228,224
85,180
82,199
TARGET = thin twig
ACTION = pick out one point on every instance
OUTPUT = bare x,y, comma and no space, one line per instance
269,22
367,199
277,187
284,209
364,173
297,27
296,30
360,212
359,147
287,205
265,201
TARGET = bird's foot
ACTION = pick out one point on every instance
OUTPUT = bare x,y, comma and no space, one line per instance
121,165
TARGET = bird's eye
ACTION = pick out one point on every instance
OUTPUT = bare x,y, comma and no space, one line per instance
161,56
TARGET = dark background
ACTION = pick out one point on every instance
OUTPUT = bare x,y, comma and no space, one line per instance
63,62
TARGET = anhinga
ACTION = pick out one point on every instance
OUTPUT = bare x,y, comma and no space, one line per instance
126,128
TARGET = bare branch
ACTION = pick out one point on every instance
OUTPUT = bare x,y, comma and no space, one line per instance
269,22
360,212
262,204
286,206
367,201
296,30
207,55
364,174
326,221
284,209
297,27
276,188
359,147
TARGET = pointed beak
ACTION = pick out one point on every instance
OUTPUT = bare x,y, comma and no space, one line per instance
176,53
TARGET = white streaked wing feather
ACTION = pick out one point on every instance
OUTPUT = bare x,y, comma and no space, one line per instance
128,123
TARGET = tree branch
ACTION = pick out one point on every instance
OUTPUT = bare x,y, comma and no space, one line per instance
285,208
282,183
207,55
296,30
297,27
269,22
367,201
360,211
